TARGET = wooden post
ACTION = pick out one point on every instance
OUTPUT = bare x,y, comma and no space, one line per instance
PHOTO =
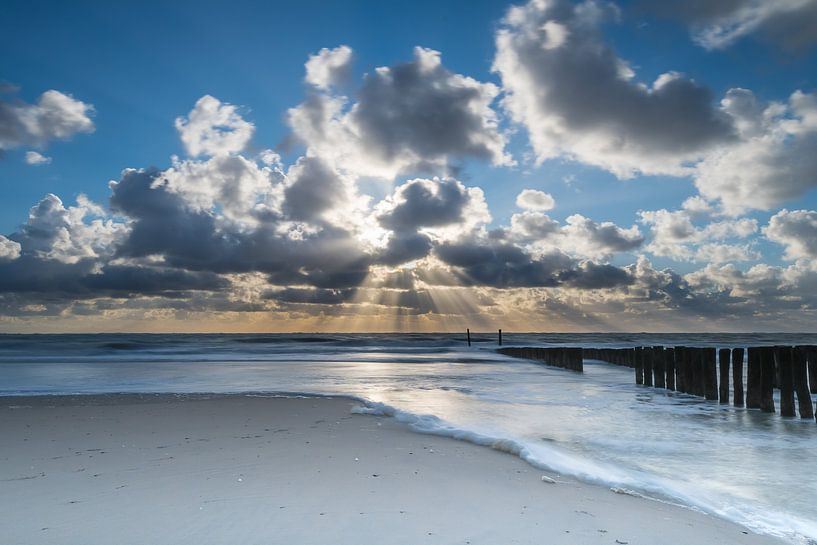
468,334
812,369
638,357
692,369
658,367
767,375
783,361
724,357
680,367
801,382
647,352
737,375
753,372
500,337
700,372
710,374
670,367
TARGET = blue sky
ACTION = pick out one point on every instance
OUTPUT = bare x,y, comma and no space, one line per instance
143,64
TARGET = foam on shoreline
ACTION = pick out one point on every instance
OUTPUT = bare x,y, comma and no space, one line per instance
547,458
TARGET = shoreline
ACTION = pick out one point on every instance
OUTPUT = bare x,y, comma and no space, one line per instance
99,457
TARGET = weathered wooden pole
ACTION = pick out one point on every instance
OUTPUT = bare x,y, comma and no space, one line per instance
468,335
694,360
638,357
648,362
801,382
812,369
710,370
500,337
737,376
659,374
669,360
700,372
691,370
783,359
724,359
753,375
767,376
680,367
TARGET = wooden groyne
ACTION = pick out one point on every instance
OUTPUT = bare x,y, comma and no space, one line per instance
707,372
563,357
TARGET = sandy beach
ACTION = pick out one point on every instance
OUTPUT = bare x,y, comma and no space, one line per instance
137,469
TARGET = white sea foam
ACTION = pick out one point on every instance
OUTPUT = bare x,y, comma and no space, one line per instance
619,481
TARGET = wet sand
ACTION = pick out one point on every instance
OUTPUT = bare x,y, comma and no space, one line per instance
139,469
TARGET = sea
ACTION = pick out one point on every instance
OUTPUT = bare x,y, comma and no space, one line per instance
753,468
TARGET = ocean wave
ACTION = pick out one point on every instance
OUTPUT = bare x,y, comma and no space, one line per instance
548,458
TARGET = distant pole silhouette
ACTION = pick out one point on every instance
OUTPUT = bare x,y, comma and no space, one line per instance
468,334
500,337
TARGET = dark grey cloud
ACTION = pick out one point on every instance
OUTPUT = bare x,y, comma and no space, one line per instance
427,206
403,248
83,279
423,107
577,98
500,264
426,203
589,276
192,239
415,116
315,188
311,296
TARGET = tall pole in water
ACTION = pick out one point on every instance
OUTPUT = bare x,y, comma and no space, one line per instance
468,334
500,337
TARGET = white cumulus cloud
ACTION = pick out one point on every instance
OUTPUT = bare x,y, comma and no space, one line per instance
214,128
532,199
36,158
329,67
55,116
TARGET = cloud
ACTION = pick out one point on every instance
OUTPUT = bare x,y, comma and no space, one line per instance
581,236
214,128
725,253
436,203
55,116
9,249
774,161
54,232
589,238
330,67
315,190
796,230
189,236
674,235
412,116
221,232
239,187
578,99
312,296
35,158
532,226
422,211
497,263
532,199
790,24
500,264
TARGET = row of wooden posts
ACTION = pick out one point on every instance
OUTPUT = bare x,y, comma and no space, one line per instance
566,358
706,372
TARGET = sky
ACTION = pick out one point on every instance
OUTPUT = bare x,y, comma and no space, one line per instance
424,166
